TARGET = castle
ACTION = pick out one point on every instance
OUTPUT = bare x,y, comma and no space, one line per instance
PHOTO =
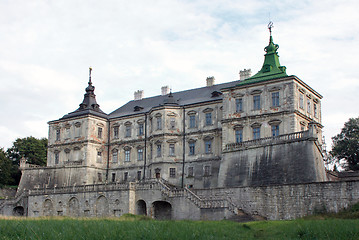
250,147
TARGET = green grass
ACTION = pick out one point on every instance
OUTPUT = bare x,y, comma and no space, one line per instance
135,227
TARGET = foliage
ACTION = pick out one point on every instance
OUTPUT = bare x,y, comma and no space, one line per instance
6,169
346,144
67,228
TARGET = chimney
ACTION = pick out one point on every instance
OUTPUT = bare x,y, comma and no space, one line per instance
246,73
210,81
138,94
165,90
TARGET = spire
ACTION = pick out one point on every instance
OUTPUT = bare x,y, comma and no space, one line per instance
271,67
89,104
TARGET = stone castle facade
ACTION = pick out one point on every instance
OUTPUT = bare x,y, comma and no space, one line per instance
236,149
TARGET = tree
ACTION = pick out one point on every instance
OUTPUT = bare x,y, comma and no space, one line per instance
346,144
34,150
6,169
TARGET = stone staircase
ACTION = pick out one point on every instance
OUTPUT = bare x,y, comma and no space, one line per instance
236,214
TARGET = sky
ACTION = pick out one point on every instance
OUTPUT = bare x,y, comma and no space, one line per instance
47,46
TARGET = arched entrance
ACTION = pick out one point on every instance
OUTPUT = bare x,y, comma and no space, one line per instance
48,208
74,210
162,210
18,211
102,207
141,208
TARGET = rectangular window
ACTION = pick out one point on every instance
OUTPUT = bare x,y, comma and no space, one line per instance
308,105
256,133
172,172
207,170
58,134
172,149
275,130
256,102
125,176
138,175
159,123
115,132
315,110
113,177
151,151
239,105
208,146
128,131
159,150
275,99
192,121
239,135
115,156
172,123
57,157
127,155
67,133
140,154
301,101
190,172
140,129
208,119
99,132
192,148
99,157
99,176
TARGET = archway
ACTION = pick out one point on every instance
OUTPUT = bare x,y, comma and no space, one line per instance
47,208
162,210
18,211
102,207
74,210
141,208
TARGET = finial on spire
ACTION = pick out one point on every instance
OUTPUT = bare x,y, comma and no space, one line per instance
270,26
90,70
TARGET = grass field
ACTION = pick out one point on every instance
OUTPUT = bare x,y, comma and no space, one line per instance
130,227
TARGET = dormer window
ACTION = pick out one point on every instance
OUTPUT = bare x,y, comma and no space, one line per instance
137,108
216,94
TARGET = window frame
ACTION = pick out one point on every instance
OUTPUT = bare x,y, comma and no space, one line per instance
209,120
275,99
239,105
257,102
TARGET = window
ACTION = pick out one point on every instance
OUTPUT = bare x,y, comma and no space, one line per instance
77,129
308,105
113,177
315,110
190,172
127,155
207,170
159,123
115,156
125,176
115,132
128,131
99,176
208,146
172,172
172,123
275,99
256,102
208,119
140,129
99,157
301,101
275,130
159,150
151,151
138,175
192,148
192,121
239,105
256,133
172,149
67,133
58,134
99,132
140,154
239,135
57,157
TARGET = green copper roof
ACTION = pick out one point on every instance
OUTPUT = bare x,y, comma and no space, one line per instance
271,68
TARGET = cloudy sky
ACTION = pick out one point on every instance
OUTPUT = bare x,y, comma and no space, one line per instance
47,46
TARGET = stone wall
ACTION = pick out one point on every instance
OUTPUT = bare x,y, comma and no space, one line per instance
289,201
